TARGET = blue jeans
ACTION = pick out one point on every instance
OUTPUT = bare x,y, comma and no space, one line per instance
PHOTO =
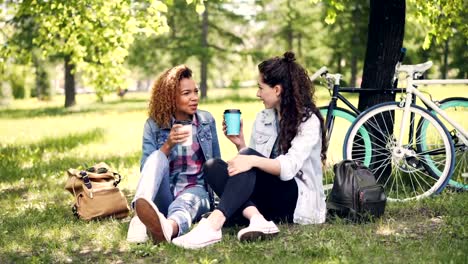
154,185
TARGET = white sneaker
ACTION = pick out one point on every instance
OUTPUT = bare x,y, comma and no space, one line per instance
160,230
136,231
201,236
258,229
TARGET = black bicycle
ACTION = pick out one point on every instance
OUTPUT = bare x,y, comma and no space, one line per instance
338,119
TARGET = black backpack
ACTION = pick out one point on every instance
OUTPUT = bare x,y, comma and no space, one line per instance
355,194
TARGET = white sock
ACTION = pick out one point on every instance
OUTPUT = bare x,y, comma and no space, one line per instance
257,218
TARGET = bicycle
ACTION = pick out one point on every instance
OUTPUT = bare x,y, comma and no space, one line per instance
410,162
342,117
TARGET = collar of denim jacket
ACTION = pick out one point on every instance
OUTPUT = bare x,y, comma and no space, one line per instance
268,116
194,120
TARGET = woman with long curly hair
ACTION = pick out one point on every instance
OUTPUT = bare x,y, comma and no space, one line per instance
172,192
279,177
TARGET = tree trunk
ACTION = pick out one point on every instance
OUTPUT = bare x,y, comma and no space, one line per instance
339,58
352,81
204,56
289,36
289,28
299,45
384,42
445,63
356,17
69,83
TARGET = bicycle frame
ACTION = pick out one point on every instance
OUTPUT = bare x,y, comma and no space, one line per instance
333,103
336,95
411,91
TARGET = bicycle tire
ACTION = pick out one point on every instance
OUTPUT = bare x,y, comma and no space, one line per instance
403,164
342,118
456,108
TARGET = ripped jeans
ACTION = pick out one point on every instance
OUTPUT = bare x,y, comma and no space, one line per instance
154,185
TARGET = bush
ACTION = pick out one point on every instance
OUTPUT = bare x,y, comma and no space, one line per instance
17,86
42,84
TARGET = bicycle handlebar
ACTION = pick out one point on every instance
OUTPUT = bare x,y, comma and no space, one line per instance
331,78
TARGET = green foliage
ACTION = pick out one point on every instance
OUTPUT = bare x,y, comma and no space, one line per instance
17,85
183,43
444,19
95,34
43,88
291,25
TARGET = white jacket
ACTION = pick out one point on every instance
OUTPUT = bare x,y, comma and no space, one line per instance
304,155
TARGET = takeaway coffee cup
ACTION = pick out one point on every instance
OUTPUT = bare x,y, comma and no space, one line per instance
186,126
232,120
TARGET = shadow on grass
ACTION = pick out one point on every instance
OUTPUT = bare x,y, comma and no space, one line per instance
59,230
121,106
37,219
13,158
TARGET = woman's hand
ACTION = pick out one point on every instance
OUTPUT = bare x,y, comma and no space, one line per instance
240,163
238,140
177,135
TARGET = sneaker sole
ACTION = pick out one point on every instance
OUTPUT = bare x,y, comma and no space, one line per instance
137,240
199,246
150,219
256,235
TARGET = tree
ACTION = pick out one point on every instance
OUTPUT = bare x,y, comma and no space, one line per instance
345,37
196,32
289,25
384,43
441,17
92,36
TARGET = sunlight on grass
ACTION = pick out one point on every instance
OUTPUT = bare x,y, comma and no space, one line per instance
385,231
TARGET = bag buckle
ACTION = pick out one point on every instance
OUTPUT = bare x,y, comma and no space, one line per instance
87,182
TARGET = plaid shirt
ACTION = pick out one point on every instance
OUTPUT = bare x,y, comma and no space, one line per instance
186,168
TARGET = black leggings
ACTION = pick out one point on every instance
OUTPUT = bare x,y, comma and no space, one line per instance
274,198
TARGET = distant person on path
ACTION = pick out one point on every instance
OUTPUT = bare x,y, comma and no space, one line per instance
121,92
279,178
172,192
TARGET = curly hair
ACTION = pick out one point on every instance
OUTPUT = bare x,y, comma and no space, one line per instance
162,103
297,98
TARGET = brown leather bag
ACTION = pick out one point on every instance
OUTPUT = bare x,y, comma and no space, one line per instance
96,193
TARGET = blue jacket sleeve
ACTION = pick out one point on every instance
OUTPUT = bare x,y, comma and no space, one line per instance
149,143
215,142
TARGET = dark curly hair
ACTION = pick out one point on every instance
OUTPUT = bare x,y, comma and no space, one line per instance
162,103
297,98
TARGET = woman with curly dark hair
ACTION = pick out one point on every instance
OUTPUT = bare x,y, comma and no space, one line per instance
279,177
172,192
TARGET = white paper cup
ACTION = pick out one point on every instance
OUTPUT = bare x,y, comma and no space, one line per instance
189,140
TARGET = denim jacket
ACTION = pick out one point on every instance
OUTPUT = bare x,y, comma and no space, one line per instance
154,137
302,163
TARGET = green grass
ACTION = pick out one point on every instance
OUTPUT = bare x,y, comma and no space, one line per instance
40,140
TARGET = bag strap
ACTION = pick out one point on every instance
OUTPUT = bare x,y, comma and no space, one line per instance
116,182
80,174
87,184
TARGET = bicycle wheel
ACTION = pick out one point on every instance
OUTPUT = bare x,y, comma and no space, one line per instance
400,169
456,108
341,121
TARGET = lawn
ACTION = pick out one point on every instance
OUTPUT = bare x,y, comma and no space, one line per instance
40,140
